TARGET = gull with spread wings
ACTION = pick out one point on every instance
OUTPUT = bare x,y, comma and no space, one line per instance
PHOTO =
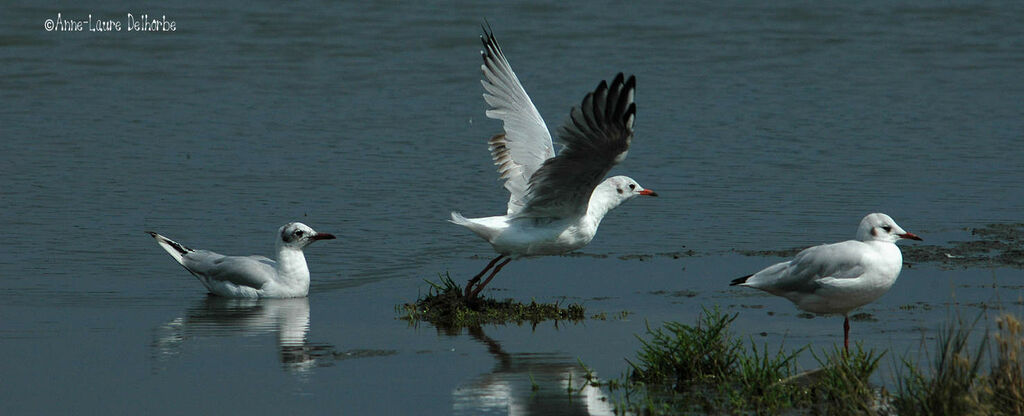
556,202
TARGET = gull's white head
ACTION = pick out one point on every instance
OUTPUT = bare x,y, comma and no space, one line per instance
881,227
626,188
298,235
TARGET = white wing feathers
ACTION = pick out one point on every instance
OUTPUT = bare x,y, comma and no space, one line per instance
596,137
805,272
251,271
526,143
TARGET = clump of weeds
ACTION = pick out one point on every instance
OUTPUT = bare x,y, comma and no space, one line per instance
842,385
951,383
703,368
1007,378
446,307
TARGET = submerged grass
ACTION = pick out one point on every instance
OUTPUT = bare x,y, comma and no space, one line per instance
447,308
953,381
1007,378
949,383
702,368
843,386
680,355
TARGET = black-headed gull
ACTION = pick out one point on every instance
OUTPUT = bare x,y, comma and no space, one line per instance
840,277
252,276
557,202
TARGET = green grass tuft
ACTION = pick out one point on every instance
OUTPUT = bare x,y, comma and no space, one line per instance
682,355
951,383
702,368
842,386
1007,377
447,308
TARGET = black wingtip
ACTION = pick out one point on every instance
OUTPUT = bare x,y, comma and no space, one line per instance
488,32
488,40
740,280
177,246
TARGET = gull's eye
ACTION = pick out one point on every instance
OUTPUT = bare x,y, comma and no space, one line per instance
632,186
887,228
298,233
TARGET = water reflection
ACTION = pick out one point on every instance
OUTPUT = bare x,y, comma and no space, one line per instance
216,316
529,384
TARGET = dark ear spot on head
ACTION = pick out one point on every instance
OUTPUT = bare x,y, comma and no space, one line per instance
874,232
286,236
619,189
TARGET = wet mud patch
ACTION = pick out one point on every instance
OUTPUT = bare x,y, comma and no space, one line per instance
362,353
636,256
582,254
993,245
640,257
924,306
863,317
446,308
788,252
674,293
301,357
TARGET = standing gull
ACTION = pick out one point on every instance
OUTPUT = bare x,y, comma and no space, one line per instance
840,277
252,276
556,202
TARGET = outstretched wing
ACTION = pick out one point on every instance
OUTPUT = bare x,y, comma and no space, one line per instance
526,143
596,137
252,271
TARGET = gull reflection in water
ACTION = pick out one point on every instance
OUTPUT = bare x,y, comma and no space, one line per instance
529,384
216,317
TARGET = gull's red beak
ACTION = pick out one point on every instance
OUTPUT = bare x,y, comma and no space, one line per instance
910,236
648,192
322,236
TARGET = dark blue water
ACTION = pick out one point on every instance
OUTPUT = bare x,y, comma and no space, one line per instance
761,127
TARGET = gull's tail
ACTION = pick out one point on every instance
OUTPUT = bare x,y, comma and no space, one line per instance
475,225
740,281
171,247
459,219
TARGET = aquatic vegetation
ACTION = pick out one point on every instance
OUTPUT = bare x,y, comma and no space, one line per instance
446,306
1007,377
703,368
950,385
954,383
680,355
842,386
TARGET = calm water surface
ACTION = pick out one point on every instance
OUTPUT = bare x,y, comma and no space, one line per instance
764,127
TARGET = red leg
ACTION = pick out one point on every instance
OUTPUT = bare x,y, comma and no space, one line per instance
469,285
846,334
494,272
